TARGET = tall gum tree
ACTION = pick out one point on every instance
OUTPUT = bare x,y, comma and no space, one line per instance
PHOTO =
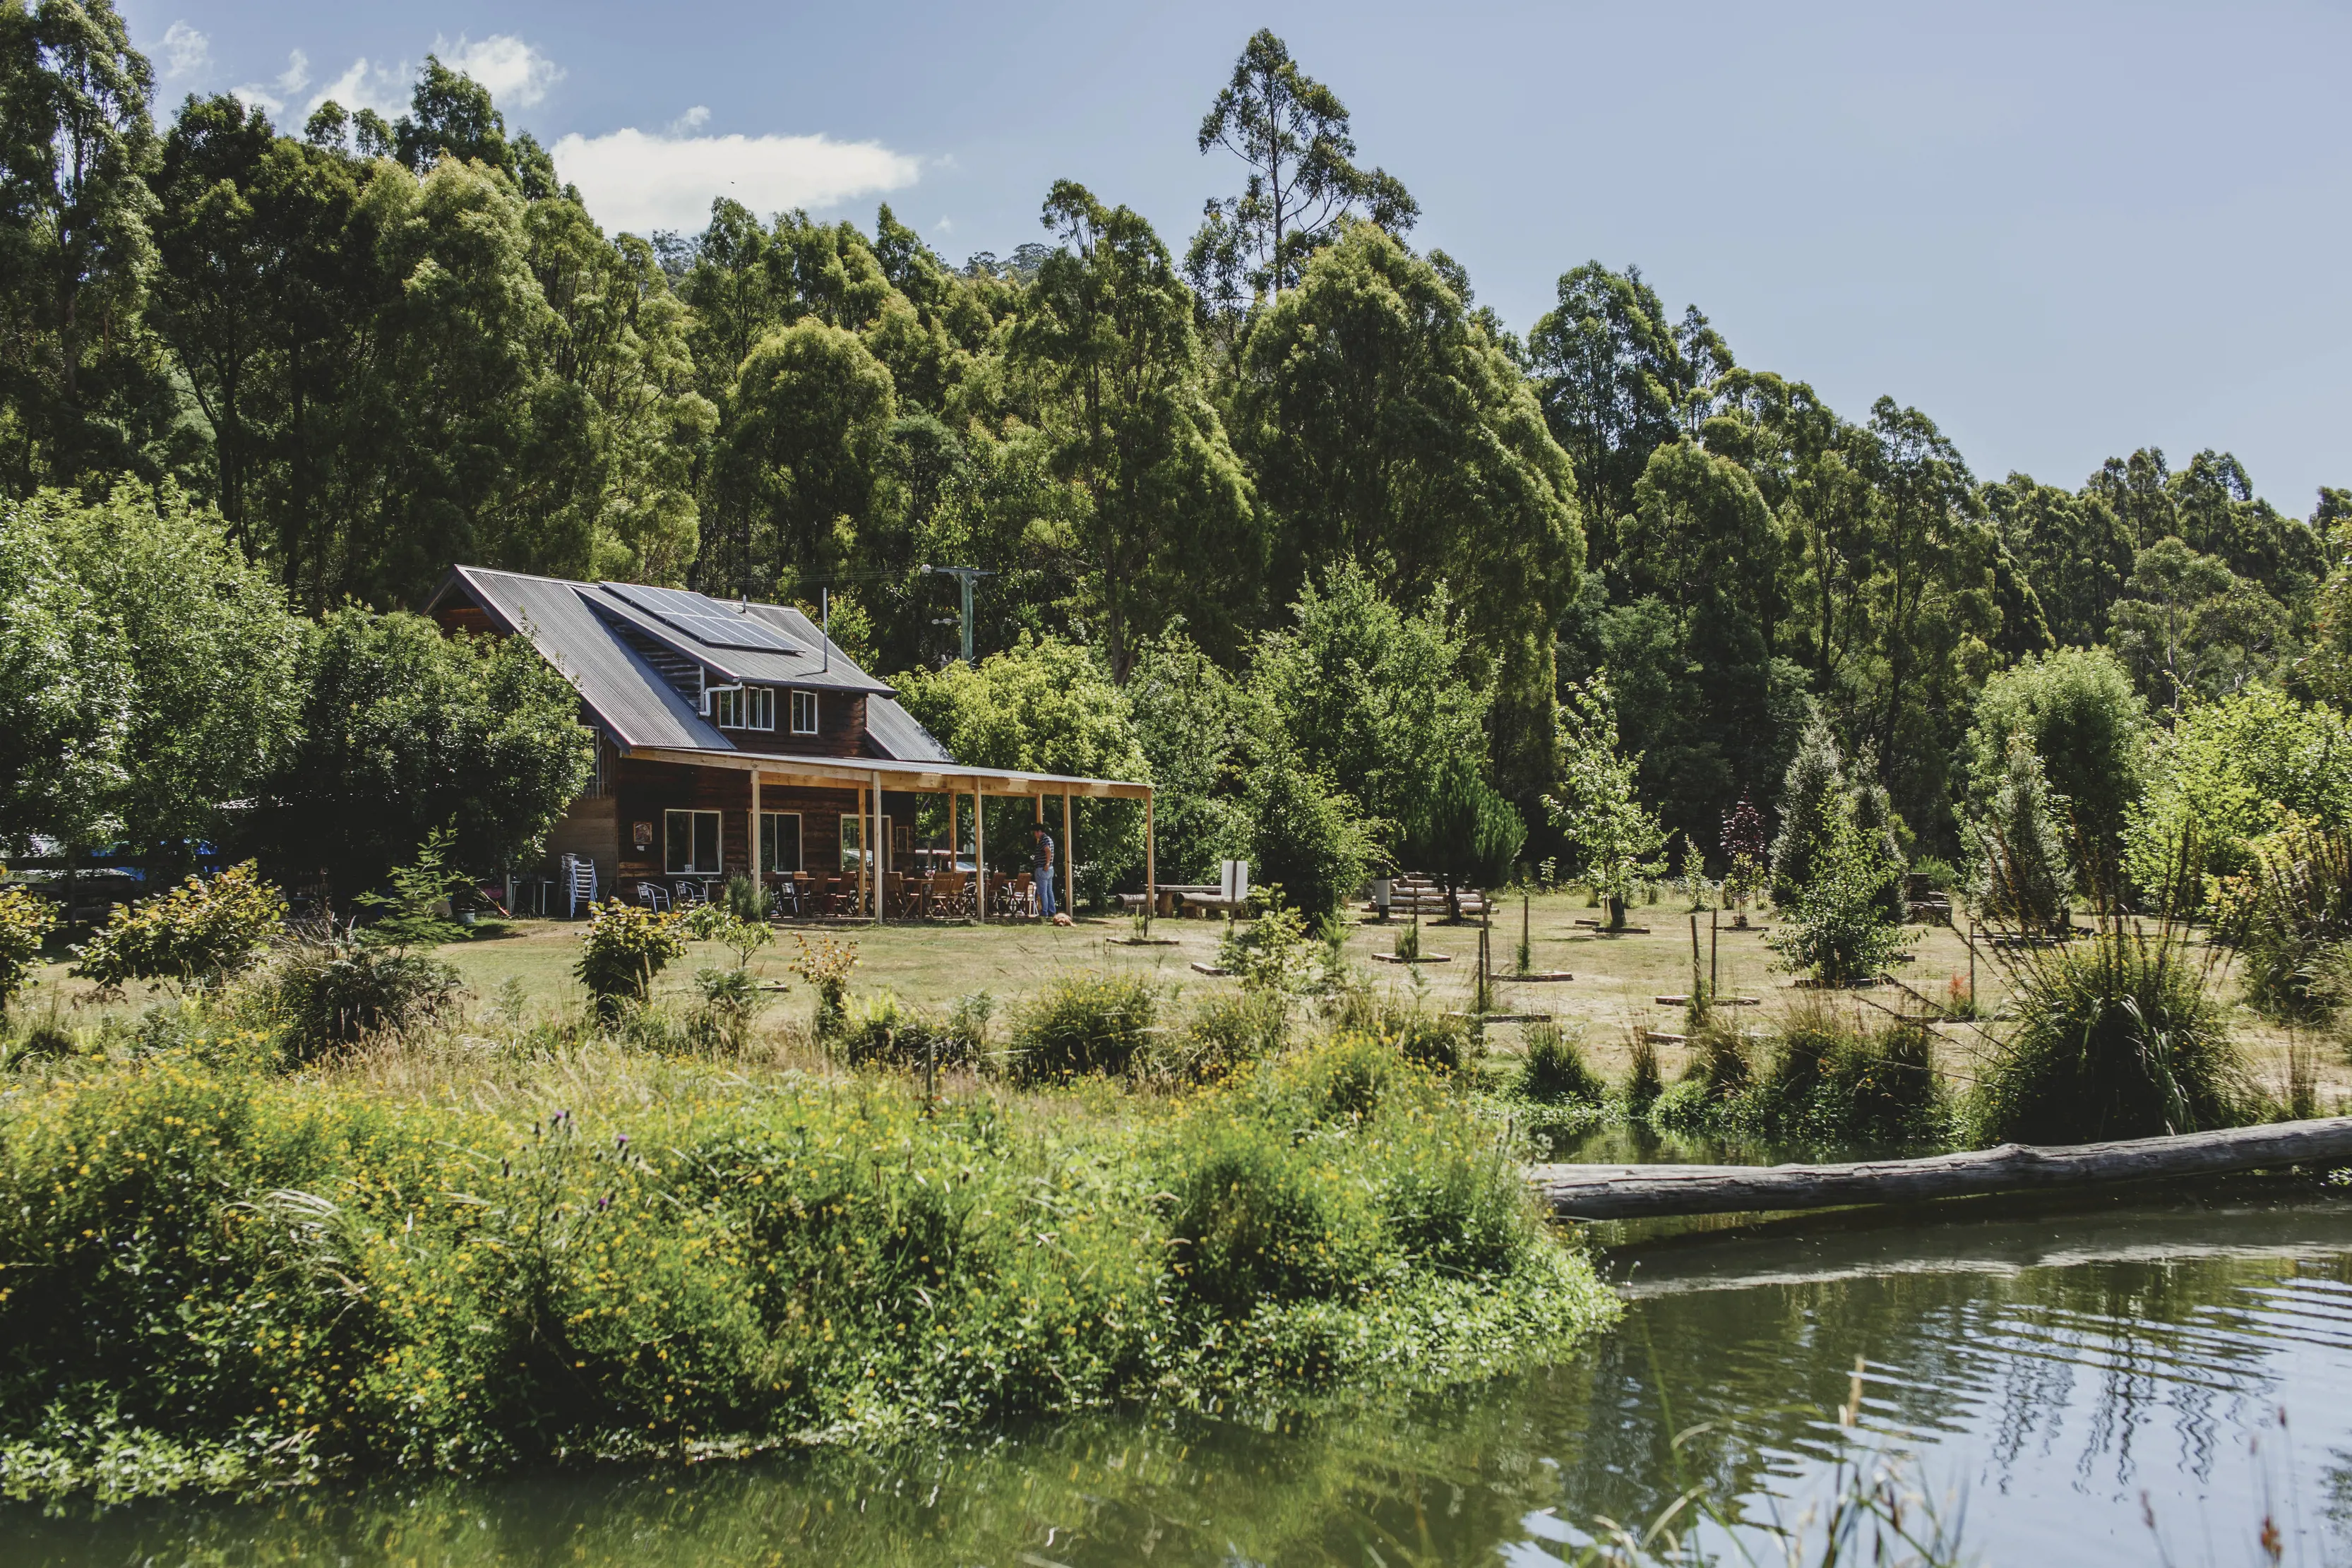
1385,425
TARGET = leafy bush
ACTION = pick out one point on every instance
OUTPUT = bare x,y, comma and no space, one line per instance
330,990
1306,837
195,937
1224,1034
1426,1039
826,965
1831,1081
727,1270
25,918
1552,1070
622,951
2117,1038
2022,871
2291,916
1082,1023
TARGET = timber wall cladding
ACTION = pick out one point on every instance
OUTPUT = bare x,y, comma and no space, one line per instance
588,827
643,791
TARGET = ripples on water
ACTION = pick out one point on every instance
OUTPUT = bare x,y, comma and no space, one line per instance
2046,1368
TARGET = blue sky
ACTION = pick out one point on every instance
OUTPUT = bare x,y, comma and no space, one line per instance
2062,231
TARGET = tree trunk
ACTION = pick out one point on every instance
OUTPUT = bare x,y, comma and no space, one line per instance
1647,1192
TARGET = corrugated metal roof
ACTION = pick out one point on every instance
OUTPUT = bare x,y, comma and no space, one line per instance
897,732
575,626
635,702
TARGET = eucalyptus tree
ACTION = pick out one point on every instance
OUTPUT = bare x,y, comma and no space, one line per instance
1107,338
1292,133
1384,425
80,390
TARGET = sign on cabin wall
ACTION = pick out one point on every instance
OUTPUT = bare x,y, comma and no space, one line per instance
642,835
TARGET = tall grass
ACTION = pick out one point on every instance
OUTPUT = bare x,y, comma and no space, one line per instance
2118,1036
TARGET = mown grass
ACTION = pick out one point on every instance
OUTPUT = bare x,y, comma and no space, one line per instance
533,1243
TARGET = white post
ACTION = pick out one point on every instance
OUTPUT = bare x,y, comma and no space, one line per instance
1069,863
877,847
1150,871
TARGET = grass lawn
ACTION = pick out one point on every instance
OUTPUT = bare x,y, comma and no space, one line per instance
1614,991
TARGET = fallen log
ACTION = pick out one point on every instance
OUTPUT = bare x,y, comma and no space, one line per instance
1650,1192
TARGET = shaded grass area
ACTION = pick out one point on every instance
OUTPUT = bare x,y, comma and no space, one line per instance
534,1244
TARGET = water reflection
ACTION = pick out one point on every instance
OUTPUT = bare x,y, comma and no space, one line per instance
2051,1364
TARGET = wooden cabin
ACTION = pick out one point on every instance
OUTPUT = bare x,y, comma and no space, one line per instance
735,737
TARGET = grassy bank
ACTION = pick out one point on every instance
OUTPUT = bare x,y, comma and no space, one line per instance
480,1251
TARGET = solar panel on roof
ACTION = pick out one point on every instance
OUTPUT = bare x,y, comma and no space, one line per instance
705,619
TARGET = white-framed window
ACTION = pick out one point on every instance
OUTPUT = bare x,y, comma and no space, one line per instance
780,842
803,712
853,843
745,707
690,843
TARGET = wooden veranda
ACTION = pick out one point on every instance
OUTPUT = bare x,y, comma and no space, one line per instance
869,777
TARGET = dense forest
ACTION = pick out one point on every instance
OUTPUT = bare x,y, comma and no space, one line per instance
1290,461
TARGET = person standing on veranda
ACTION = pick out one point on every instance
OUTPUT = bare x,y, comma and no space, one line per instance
1044,875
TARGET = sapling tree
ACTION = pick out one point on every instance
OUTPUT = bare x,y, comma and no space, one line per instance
2022,871
1837,929
1747,847
1617,836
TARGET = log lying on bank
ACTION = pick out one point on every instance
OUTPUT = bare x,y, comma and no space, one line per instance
1651,1192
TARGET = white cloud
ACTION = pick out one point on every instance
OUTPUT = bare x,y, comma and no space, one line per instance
944,227
186,50
693,119
638,183
517,74
293,79
384,88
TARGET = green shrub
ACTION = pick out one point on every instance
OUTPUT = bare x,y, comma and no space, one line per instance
883,1031
2116,1037
622,951
25,917
1937,871
826,965
1553,1072
745,899
1643,1081
728,1000
1829,1081
331,990
2291,916
409,908
1090,1023
1225,1032
195,937
1426,1039
1838,929
359,1281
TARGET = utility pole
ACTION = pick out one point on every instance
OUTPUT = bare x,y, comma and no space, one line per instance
965,576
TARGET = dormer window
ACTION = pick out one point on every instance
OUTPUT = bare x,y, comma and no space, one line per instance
744,707
803,712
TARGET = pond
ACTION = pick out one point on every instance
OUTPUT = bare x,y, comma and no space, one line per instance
2055,1375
